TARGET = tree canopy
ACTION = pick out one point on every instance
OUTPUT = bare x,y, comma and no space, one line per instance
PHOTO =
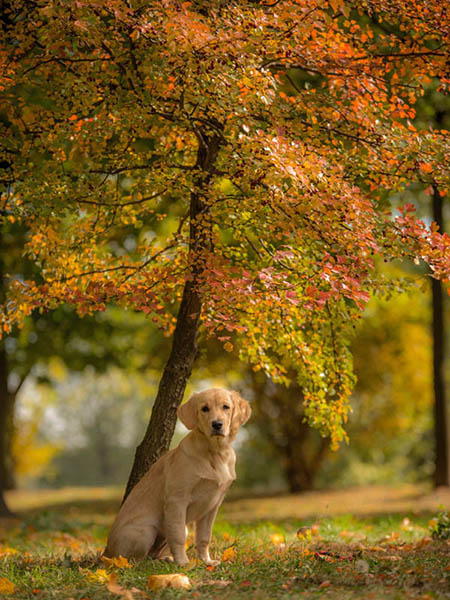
244,148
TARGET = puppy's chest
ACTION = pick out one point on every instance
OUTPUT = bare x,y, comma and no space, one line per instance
206,495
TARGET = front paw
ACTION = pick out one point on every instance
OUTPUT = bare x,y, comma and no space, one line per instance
209,562
181,560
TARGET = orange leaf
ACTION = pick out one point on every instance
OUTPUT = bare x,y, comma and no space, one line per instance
114,587
426,168
118,561
6,587
229,554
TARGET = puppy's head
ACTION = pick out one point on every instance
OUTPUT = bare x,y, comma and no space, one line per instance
216,412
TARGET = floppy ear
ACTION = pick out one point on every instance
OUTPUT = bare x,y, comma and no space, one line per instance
187,412
241,412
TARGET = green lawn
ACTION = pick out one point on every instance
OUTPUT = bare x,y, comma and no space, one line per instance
369,543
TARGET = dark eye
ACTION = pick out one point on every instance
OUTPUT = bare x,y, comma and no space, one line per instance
225,406
205,409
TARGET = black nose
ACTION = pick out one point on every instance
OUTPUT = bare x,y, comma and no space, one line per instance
217,425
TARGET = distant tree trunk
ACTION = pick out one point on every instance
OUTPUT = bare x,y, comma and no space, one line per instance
302,463
6,405
441,426
6,408
278,414
184,344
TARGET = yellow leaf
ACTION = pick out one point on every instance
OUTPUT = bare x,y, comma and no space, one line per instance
117,561
100,575
277,539
229,554
304,533
175,580
6,551
6,587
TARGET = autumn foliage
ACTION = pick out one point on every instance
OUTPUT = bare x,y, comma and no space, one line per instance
247,147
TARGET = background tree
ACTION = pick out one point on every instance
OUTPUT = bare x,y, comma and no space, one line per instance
433,112
119,111
391,426
441,423
278,418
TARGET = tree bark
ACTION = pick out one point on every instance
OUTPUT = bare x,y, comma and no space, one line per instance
184,344
442,463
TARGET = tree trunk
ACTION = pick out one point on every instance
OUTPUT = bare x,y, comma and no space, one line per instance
442,463
298,476
278,414
184,345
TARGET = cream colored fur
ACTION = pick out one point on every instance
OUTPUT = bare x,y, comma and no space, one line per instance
185,485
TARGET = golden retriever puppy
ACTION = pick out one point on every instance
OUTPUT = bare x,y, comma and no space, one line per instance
185,485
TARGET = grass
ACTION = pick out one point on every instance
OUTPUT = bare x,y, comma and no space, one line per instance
342,551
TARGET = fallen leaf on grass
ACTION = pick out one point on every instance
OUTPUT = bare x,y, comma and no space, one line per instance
325,584
423,542
277,539
307,532
7,551
392,537
100,575
6,586
118,561
175,580
229,554
115,588
406,525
